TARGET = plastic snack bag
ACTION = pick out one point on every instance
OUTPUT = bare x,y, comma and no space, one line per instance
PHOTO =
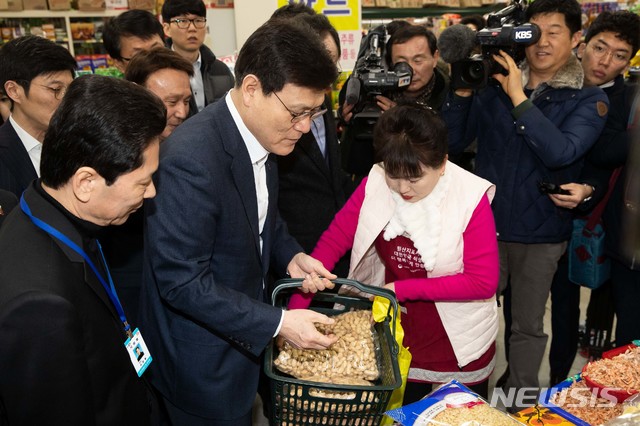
380,311
452,404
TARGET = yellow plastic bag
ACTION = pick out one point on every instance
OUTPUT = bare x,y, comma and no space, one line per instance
380,310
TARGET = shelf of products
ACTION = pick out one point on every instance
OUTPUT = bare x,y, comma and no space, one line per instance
79,31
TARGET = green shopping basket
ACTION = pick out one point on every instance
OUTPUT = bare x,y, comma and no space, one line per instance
297,402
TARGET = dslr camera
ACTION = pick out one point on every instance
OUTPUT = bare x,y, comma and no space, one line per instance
507,31
372,75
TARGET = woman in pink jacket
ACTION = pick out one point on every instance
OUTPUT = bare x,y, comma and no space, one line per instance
423,227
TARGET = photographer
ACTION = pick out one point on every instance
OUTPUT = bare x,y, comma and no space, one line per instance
533,124
416,46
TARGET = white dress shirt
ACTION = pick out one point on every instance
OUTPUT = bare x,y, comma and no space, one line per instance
31,144
258,156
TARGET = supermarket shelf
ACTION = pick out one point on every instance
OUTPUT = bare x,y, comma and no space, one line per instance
26,14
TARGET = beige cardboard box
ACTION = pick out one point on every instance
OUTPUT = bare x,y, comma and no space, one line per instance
91,5
429,2
470,3
59,4
142,4
4,5
34,4
449,3
14,5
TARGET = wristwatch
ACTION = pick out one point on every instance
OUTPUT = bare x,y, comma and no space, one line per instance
593,190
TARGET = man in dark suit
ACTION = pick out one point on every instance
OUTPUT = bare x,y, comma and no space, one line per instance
34,73
62,329
313,186
214,230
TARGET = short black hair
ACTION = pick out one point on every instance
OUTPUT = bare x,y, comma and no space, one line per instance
405,33
173,8
569,8
102,122
395,25
132,23
408,136
285,51
321,24
292,9
623,23
144,64
475,20
25,58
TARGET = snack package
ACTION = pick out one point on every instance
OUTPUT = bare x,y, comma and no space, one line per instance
575,401
351,360
631,414
452,404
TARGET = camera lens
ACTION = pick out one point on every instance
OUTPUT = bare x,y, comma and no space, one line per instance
473,73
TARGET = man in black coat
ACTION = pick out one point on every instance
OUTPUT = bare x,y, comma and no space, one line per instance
185,24
313,186
62,328
34,74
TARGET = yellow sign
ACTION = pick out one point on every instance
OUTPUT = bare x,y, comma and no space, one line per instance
343,14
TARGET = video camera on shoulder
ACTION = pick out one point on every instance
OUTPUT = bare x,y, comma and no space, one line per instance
372,75
507,31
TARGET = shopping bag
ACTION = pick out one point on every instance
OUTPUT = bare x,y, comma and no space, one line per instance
380,311
588,264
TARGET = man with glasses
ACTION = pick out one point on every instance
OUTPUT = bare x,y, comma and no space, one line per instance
185,23
611,41
131,32
214,230
313,186
34,74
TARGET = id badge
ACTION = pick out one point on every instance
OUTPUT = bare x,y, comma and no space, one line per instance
138,352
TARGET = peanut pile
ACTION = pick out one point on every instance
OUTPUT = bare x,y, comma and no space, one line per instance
351,360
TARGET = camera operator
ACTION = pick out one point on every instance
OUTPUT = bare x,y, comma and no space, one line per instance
533,124
416,46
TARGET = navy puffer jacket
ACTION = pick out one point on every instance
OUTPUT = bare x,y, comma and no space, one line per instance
544,139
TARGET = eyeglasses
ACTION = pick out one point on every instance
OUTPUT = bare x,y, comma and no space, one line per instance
600,51
183,23
297,117
58,92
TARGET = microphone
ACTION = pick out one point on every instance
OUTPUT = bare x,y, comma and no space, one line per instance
456,43
353,90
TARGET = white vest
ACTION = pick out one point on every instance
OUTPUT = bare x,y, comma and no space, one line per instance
472,326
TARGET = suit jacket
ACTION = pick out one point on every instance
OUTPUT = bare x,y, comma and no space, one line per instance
313,188
203,305
61,341
16,169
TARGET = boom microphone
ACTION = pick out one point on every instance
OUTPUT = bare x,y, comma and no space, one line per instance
456,43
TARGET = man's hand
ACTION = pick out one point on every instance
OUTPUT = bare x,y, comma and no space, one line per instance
578,192
316,276
346,112
511,83
384,103
298,329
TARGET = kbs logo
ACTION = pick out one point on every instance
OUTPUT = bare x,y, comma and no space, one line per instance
523,35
